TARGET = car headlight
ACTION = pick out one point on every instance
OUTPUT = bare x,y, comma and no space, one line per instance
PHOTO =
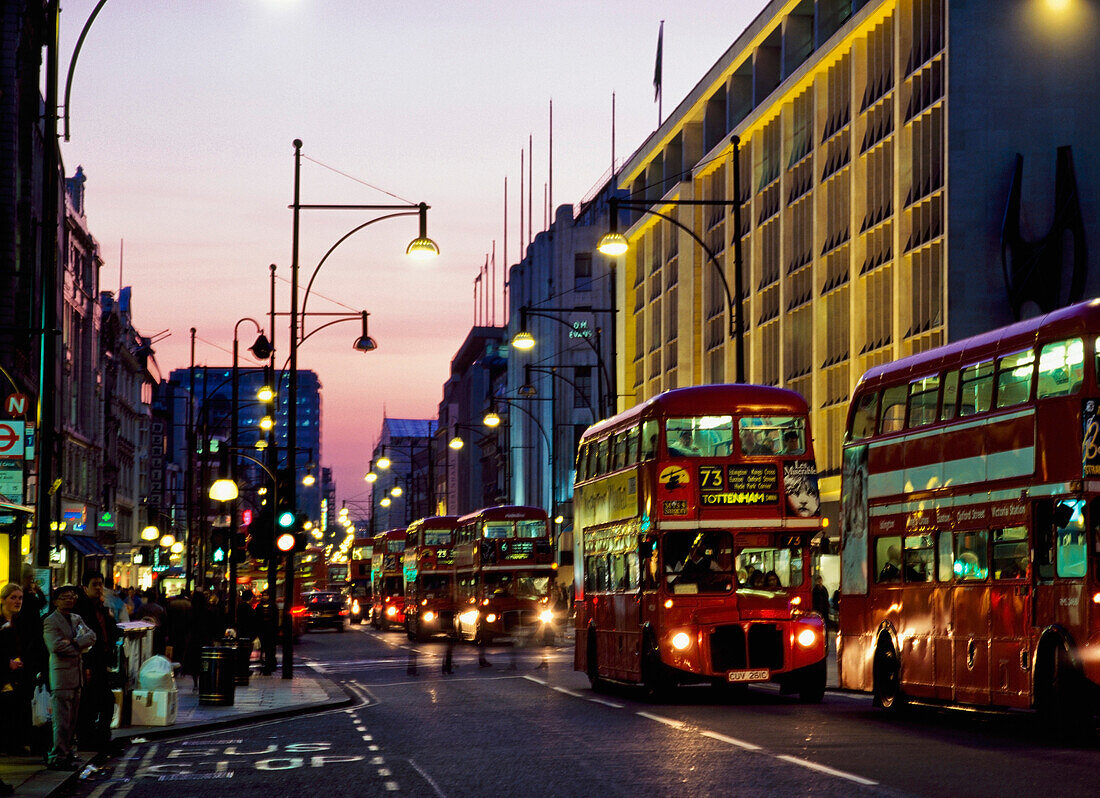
391,610
429,616
490,618
806,638
546,616
681,640
468,617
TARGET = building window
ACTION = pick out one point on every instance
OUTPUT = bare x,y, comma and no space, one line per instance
582,379
582,271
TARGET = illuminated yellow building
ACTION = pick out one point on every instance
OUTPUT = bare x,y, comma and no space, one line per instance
878,142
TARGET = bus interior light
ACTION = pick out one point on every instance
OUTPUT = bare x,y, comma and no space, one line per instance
681,640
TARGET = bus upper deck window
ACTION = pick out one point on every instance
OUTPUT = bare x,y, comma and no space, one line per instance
950,396
1014,373
893,408
649,440
924,396
863,417
1061,368
632,445
976,390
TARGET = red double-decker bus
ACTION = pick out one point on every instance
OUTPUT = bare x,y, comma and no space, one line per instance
970,568
387,580
504,572
429,576
694,514
359,578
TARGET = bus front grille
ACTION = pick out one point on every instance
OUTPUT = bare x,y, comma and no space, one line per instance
515,620
731,649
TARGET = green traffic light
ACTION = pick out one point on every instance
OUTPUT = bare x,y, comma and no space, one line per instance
285,519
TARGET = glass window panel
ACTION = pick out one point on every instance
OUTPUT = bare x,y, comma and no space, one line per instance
1061,368
602,451
772,435
888,559
1014,373
920,558
531,529
976,389
649,440
972,555
950,396
1071,552
924,395
700,436
620,451
945,571
863,417
1010,553
632,437
893,408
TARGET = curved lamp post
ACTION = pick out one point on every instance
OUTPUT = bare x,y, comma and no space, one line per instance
613,243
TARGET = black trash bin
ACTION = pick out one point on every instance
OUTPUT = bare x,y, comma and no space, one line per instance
243,649
216,676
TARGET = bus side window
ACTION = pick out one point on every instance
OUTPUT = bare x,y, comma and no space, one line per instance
649,440
977,388
620,451
632,446
1061,368
1071,547
950,396
945,554
893,408
1010,553
924,395
863,418
582,462
602,451
633,570
648,552
972,555
1014,373
888,559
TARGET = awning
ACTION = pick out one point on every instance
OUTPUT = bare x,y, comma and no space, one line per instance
88,546
21,508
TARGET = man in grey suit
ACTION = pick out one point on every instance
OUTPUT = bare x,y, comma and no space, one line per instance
67,638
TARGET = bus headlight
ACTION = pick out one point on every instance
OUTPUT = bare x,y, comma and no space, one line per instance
355,606
391,610
681,640
469,617
806,638
490,618
546,616
429,616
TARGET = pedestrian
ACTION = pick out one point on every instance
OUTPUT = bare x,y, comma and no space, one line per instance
114,601
820,600
152,611
67,638
16,680
36,658
267,633
97,703
178,635
246,617
203,622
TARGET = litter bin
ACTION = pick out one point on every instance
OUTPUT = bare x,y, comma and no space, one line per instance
216,672
243,655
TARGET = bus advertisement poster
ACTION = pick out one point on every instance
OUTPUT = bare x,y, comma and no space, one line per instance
1090,453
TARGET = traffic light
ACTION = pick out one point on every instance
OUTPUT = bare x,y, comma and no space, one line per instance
293,537
260,534
238,551
284,498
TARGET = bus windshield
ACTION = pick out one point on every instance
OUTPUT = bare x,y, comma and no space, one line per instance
698,561
772,435
517,585
437,537
391,585
435,586
762,563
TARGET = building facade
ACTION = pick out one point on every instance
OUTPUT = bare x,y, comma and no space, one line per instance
878,144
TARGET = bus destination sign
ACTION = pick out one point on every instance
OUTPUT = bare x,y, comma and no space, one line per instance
733,485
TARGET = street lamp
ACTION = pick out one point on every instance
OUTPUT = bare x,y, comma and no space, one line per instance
420,248
613,243
150,533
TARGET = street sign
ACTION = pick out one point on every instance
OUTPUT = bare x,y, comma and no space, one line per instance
12,439
11,481
16,404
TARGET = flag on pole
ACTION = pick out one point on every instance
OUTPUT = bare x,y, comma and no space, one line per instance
657,68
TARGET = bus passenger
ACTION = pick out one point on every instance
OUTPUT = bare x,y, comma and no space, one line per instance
771,581
756,580
891,570
685,447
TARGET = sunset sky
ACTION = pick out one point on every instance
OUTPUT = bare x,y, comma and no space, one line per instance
183,114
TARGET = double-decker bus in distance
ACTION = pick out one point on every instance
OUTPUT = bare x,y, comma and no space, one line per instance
387,579
429,576
970,567
694,513
504,572
359,578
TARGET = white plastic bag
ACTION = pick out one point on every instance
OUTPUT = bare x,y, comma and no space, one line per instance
41,710
156,674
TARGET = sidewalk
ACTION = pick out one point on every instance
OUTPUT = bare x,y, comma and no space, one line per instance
265,697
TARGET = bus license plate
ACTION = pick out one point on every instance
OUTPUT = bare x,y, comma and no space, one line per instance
748,676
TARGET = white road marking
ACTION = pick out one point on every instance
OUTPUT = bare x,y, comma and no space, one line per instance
730,740
676,724
606,703
367,738
567,692
392,786
384,772
825,769
427,778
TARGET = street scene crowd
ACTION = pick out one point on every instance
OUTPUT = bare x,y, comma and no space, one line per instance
61,657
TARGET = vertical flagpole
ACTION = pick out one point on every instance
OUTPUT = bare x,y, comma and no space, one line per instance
494,289
612,135
522,246
550,183
658,94
530,187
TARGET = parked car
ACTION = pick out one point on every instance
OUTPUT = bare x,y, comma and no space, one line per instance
325,608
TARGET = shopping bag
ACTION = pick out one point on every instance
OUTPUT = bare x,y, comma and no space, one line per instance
41,711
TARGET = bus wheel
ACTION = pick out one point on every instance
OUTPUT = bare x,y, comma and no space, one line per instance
887,678
1060,697
811,688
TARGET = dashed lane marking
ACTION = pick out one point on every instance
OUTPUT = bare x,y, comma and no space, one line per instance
826,769
730,740
676,724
